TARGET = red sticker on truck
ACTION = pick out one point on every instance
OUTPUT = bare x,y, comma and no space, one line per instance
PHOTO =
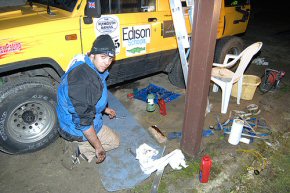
10,47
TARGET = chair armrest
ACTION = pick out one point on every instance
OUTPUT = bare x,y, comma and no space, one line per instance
229,56
224,65
218,65
231,63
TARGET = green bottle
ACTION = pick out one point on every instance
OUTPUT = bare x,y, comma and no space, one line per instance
150,103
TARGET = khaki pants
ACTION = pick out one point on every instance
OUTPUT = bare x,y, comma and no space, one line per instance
108,138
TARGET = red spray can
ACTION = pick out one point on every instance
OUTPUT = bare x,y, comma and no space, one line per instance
205,167
162,106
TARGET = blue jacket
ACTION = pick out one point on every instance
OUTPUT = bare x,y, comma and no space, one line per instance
82,97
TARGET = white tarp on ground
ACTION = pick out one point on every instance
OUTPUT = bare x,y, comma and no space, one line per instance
5,3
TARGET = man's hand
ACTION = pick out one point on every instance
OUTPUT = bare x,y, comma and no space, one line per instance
110,112
95,142
101,155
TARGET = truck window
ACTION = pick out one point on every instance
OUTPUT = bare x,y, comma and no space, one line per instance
127,6
67,5
233,3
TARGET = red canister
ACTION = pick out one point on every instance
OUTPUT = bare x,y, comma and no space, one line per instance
162,106
205,167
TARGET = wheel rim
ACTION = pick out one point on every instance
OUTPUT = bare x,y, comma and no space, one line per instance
31,121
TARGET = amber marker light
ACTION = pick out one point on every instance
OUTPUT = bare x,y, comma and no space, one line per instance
71,37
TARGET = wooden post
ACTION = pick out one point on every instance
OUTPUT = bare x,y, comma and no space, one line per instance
204,33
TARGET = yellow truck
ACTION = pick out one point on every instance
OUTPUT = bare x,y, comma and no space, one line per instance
39,39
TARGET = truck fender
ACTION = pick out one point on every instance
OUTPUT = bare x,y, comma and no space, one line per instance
49,65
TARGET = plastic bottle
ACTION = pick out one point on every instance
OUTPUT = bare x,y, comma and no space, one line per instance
205,167
150,103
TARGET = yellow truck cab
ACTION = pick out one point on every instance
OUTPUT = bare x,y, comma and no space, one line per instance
39,39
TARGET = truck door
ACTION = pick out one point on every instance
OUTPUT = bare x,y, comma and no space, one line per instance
236,16
134,25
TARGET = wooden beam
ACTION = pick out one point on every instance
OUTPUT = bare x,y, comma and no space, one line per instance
204,33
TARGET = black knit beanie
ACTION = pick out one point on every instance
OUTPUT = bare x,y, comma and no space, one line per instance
103,45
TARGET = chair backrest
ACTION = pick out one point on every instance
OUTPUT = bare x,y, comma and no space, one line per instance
245,59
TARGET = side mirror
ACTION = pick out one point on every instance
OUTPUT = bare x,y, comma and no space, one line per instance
93,9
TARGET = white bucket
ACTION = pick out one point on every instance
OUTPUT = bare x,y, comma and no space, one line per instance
236,133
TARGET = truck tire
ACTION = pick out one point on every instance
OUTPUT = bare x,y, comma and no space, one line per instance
228,45
175,76
28,119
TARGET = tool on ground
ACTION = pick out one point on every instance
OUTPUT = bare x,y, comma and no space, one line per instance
84,157
130,95
271,80
75,159
205,168
158,176
248,127
120,117
81,155
207,132
131,152
247,135
246,124
157,134
219,125
150,103
254,109
262,160
174,135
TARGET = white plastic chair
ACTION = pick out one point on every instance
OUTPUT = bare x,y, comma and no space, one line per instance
225,78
